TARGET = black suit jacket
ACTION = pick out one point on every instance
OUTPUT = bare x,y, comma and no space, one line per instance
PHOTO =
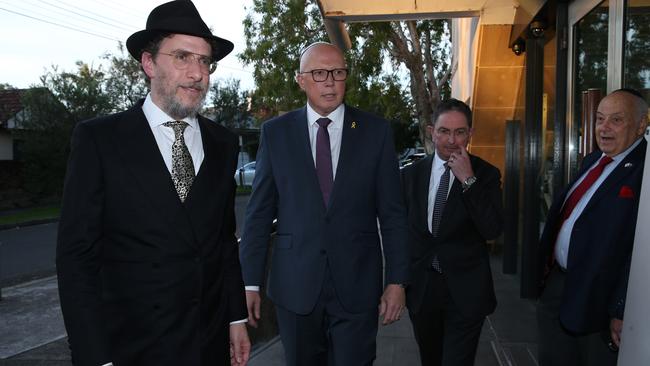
343,235
468,220
143,278
600,249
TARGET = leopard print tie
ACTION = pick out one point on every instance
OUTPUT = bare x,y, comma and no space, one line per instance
182,166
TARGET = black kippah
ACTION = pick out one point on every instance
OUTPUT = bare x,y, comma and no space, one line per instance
634,92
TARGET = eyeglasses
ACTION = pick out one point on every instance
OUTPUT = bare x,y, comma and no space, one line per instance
183,59
320,75
459,133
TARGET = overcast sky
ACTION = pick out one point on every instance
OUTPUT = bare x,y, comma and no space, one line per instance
85,30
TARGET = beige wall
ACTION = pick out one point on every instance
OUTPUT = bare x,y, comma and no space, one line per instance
498,93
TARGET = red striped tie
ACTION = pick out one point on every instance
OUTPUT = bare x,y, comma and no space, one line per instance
580,190
574,198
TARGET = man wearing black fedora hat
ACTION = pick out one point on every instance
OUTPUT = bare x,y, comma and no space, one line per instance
147,257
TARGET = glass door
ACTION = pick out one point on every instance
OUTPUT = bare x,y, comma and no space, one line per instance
590,50
636,47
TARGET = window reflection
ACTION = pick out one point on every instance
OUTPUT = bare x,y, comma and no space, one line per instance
636,57
591,39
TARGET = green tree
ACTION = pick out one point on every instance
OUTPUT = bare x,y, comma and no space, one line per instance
6,86
228,104
276,31
51,111
124,81
423,48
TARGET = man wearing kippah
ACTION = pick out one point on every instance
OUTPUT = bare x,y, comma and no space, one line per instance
586,248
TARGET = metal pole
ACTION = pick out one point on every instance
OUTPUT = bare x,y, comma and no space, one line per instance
241,159
511,196
0,271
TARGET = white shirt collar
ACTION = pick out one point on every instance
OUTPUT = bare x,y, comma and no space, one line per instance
438,163
336,116
618,158
156,116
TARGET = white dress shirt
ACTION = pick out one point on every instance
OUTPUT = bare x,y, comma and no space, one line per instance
564,235
437,168
165,135
335,130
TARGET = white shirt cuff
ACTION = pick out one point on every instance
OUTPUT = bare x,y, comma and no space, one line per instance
252,288
239,321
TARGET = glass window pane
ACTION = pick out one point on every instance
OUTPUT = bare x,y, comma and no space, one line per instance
591,39
636,57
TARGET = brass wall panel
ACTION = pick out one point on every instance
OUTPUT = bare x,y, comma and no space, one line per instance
495,155
493,50
498,93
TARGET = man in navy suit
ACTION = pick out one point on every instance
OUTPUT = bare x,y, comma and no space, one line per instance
328,172
147,255
586,246
453,200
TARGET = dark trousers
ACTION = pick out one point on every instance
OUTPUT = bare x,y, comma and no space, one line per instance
329,335
558,346
444,336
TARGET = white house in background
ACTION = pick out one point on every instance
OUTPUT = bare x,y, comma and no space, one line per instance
11,111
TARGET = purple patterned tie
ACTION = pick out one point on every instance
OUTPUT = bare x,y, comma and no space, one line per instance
324,159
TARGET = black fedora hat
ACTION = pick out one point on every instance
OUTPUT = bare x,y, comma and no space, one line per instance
181,17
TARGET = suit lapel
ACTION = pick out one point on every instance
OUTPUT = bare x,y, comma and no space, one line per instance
207,182
625,167
454,201
301,152
423,178
213,153
139,152
300,133
349,145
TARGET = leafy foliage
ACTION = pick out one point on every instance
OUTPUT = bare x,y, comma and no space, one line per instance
637,55
51,112
276,32
124,80
229,104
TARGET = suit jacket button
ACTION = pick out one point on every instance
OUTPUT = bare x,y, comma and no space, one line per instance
156,307
323,251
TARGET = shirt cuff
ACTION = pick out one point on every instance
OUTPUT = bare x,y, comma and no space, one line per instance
239,321
252,288
108,364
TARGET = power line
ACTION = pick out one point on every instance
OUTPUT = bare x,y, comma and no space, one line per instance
116,18
86,16
59,25
67,19
233,68
123,9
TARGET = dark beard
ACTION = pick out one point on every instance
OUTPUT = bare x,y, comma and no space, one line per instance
176,110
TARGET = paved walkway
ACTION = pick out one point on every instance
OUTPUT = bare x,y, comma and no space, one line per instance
32,333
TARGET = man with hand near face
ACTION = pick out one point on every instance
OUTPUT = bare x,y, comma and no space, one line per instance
147,256
586,247
453,201
328,172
